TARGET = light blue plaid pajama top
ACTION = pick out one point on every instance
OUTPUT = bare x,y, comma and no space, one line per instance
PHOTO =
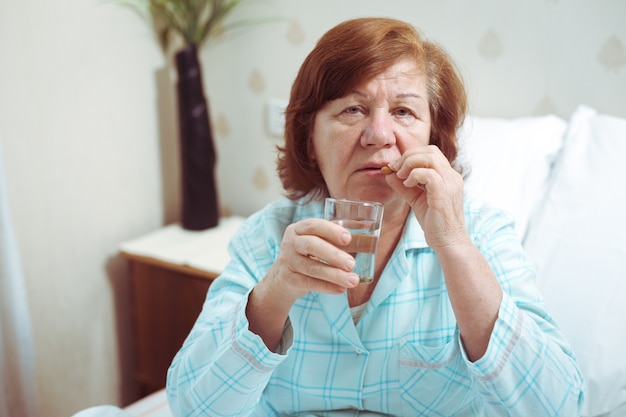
403,358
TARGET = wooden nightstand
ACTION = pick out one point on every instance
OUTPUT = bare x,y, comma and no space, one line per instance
171,270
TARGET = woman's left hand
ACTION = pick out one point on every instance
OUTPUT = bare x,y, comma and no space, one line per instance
427,181
434,190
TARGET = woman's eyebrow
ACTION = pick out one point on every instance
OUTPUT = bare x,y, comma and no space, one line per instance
359,93
410,95
401,95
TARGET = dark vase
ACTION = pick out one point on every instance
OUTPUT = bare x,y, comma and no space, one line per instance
200,207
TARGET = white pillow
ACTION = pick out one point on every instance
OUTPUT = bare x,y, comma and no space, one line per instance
510,161
578,242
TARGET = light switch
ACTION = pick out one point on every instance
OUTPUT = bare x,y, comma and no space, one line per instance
275,116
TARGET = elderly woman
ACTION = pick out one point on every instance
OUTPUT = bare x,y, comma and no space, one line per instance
453,323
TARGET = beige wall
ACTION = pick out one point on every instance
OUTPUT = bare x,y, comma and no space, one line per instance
80,141
86,115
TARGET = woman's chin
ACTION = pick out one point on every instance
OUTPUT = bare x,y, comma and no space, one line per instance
382,194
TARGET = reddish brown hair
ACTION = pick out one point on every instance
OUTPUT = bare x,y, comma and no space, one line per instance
347,55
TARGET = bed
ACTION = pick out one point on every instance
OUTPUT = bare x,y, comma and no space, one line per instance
563,183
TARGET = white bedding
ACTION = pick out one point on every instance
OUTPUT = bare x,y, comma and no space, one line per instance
154,405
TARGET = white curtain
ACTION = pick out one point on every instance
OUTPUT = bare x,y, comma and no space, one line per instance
17,362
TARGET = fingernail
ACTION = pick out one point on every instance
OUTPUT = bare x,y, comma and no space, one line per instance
345,237
354,279
350,263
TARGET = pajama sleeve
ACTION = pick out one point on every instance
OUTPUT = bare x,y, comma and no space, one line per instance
529,367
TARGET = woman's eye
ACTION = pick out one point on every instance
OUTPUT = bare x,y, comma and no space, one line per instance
403,112
353,110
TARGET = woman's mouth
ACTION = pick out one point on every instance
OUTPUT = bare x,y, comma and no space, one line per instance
372,169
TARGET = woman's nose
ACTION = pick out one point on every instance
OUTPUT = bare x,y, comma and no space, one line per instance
379,129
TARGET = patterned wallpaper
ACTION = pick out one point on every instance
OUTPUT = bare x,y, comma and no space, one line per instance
517,59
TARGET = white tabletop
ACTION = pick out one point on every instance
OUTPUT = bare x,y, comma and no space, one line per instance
205,250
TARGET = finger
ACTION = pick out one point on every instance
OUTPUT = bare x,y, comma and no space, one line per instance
327,230
293,268
409,194
422,157
317,249
421,178
290,275
438,169
306,253
310,284
323,271
322,239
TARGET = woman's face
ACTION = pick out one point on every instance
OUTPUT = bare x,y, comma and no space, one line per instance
354,136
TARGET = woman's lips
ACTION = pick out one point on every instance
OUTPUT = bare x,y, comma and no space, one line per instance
373,169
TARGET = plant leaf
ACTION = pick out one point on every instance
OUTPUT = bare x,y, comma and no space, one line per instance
196,21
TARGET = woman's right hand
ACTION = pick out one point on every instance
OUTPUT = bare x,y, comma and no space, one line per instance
297,270
311,259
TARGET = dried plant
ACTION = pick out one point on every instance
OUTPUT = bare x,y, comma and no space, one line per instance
195,21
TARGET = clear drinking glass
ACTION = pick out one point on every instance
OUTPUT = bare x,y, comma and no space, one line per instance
363,219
